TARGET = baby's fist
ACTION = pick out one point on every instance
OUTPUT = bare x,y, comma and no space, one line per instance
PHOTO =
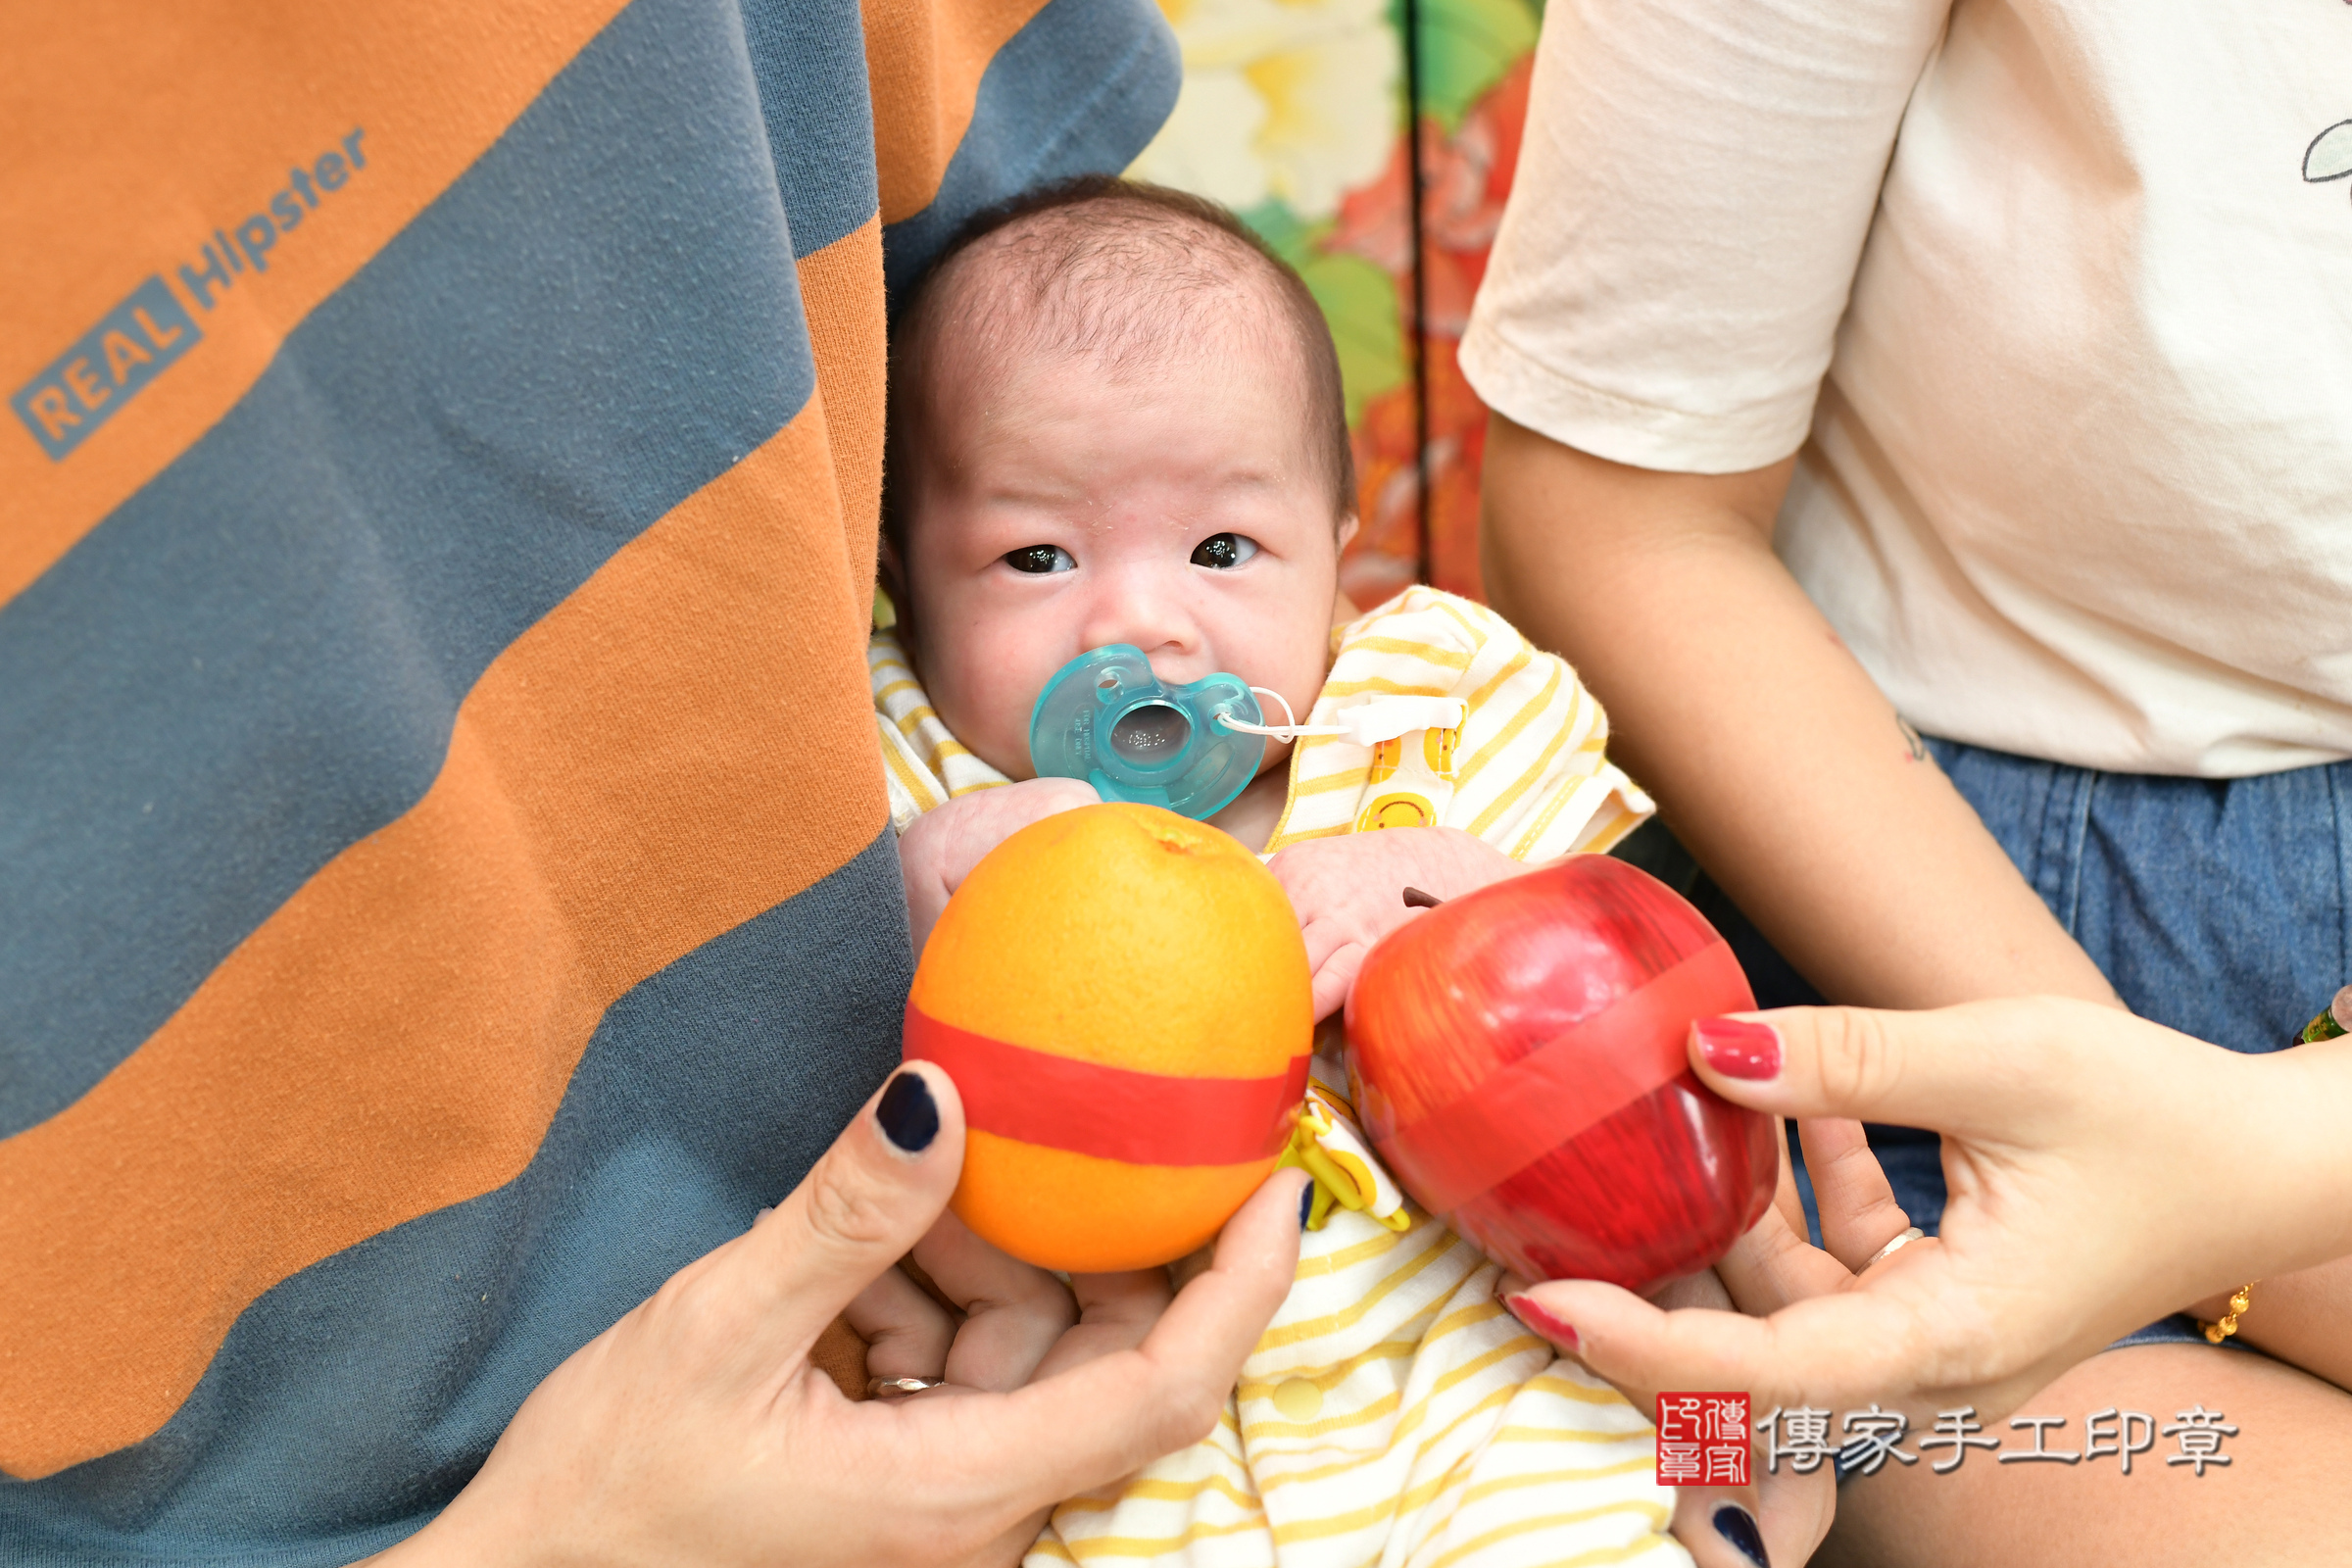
940,848
1350,891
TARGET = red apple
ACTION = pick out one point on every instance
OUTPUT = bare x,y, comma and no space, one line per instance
1518,1056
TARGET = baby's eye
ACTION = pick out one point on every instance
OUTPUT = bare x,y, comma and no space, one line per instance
1224,551
1040,559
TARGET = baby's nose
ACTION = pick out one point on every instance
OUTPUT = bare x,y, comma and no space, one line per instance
1149,616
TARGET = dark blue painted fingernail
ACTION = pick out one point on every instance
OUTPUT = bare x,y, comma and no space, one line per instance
908,1115
1306,1205
1738,1526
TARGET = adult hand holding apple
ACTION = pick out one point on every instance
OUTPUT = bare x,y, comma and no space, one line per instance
1519,1060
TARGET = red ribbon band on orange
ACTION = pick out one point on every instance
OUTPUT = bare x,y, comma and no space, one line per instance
1139,1118
1601,1065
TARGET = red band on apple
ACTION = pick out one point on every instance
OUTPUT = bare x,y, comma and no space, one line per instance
1601,1065
1137,1118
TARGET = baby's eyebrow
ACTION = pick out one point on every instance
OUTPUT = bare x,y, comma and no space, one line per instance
1251,480
1016,494
1020,493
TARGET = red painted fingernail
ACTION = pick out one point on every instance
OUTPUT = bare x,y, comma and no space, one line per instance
1738,1049
1530,1312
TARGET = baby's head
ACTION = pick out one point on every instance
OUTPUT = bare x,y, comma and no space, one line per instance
1115,418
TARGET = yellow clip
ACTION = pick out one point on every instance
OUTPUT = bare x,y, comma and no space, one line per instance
1340,1181
1437,750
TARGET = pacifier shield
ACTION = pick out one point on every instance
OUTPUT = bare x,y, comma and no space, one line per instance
1107,719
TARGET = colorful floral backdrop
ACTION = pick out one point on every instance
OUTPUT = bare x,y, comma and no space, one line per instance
1293,113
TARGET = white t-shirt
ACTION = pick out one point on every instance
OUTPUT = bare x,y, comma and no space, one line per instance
2078,482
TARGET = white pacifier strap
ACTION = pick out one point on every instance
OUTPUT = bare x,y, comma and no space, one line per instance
1365,724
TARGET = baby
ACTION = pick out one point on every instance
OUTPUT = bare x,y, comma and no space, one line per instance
1118,420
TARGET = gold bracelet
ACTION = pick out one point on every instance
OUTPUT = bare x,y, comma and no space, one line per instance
2240,1301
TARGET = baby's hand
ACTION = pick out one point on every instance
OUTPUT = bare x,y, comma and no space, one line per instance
1350,892
940,848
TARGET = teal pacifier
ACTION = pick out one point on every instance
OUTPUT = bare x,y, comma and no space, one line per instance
1104,717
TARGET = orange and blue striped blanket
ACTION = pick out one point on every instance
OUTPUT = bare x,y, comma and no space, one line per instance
445,882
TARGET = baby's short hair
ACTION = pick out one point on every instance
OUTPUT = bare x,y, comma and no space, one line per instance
1107,267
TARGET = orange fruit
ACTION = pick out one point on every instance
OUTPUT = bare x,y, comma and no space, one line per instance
1122,997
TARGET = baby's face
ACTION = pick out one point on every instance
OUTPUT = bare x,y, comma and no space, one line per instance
1058,504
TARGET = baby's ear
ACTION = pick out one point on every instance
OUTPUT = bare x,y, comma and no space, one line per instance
1348,525
890,598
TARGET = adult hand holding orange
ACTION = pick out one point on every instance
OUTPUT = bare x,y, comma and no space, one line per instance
695,1429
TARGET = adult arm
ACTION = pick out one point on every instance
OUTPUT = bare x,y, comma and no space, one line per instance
695,1429
1664,590
2104,1170
1773,756
2300,1318
1695,189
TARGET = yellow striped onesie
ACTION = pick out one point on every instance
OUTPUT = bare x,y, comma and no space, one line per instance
1395,1413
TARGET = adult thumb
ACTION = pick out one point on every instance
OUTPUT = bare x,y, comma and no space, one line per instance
1983,1069
860,1210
